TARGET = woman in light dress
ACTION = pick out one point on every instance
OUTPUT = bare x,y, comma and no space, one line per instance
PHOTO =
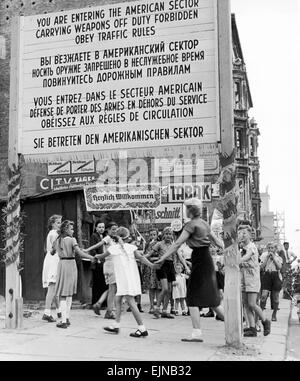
50,268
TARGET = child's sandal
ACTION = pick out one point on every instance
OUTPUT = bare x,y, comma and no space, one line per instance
139,333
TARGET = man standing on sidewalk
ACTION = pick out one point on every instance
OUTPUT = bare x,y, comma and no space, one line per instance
271,264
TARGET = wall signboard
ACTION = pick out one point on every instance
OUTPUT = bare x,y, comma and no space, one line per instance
121,76
121,197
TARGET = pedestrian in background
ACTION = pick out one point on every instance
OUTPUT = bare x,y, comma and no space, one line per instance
290,257
296,287
50,268
66,285
271,263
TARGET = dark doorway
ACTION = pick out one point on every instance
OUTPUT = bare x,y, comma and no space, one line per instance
37,212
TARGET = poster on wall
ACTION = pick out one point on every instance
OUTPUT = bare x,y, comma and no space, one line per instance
121,197
119,76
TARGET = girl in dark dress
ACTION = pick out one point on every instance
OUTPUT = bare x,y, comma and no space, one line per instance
202,290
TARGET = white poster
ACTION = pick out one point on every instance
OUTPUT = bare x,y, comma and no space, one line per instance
119,76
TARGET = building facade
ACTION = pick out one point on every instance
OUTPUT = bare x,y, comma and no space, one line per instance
267,219
44,194
246,139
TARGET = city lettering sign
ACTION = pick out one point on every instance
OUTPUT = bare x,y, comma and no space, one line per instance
153,83
64,183
127,197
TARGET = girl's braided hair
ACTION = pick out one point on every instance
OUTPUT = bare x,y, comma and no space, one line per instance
62,232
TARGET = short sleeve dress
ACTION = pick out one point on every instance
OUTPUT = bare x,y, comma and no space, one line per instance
51,261
149,277
202,290
67,274
126,270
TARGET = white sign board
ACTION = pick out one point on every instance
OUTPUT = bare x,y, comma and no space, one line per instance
119,76
123,197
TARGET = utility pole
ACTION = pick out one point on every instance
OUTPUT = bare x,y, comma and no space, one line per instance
228,200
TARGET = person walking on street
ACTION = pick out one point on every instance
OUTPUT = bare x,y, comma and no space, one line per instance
271,264
50,269
202,290
66,285
250,282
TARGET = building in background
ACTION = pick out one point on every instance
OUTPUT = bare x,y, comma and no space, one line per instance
246,140
45,193
267,219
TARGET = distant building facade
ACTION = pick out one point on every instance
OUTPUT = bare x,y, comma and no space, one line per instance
267,219
246,140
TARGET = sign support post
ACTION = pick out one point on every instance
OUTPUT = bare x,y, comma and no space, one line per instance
14,301
232,295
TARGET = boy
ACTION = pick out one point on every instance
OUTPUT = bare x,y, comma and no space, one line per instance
250,279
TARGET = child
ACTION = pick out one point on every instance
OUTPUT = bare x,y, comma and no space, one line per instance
179,290
165,273
250,278
50,268
128,281
151,282
66,284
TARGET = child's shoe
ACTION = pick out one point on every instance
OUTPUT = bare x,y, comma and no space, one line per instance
139,333
112,329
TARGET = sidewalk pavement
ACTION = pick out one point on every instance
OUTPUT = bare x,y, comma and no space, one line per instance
86,340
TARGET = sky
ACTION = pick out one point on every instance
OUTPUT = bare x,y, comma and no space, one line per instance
269,35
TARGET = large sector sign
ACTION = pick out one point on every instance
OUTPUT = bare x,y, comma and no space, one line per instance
123,76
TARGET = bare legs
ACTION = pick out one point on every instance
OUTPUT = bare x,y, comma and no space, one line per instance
251,307
50,298
112,289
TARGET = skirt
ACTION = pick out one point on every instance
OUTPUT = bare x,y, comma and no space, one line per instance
66,281
202,289
50,269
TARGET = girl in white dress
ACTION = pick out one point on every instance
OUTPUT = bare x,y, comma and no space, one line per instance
128,280
50,268
179,290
